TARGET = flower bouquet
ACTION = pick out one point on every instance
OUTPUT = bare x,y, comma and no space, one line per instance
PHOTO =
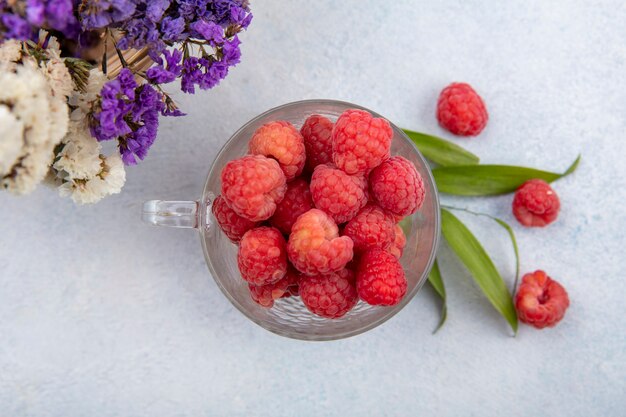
76,75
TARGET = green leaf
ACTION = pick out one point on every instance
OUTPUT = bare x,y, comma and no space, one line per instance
477,261
436,281
506,227
476,180
441,151
509,229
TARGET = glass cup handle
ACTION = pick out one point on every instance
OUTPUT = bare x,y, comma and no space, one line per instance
181,214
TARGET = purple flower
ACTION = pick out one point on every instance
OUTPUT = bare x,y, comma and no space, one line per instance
170,108
191,74
209,31
240,16
96,14
35,14
148,101
159,24
140,33
59,14
145,115
116,101
129,114
127,83
188,9
216,72
35,11
125,111
231,54
136,144
207,73
171,28
156,8
163,74
109,122
16,27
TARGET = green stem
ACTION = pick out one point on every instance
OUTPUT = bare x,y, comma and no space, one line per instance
509,230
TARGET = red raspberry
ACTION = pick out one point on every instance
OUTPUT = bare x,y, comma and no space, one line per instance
233,225
340,195
399,242
297,201
360,141
330,296
536,204
397,186
371,228
262,257
281,141
266,294
540,301
252,186
294,290
380,278
461,110
348,274
317,133
314,246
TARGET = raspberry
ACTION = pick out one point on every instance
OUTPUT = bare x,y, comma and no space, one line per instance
338,194
262,257
252,186
380,278
397,186
314,246
266,294
330,296
371,228
536,204
399,242
540,301
233,225
294,290
461,110
297,201
281,141
360,141
317,133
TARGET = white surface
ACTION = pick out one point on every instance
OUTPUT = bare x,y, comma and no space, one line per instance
101,315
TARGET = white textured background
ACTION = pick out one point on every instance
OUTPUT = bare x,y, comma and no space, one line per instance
101,315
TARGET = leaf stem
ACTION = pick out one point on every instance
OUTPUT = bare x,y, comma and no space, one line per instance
476,259
436,281
507,227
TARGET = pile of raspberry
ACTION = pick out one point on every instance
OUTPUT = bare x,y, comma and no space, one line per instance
315,213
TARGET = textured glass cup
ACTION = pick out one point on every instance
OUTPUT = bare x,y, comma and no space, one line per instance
289,317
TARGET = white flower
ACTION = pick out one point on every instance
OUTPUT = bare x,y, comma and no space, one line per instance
53,66
84,192
53,48
60,120
58,77
86,175
110,181
11,131
83,102
80,156
10,53
41,122
114,174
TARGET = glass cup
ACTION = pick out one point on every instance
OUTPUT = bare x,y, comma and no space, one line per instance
289,317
